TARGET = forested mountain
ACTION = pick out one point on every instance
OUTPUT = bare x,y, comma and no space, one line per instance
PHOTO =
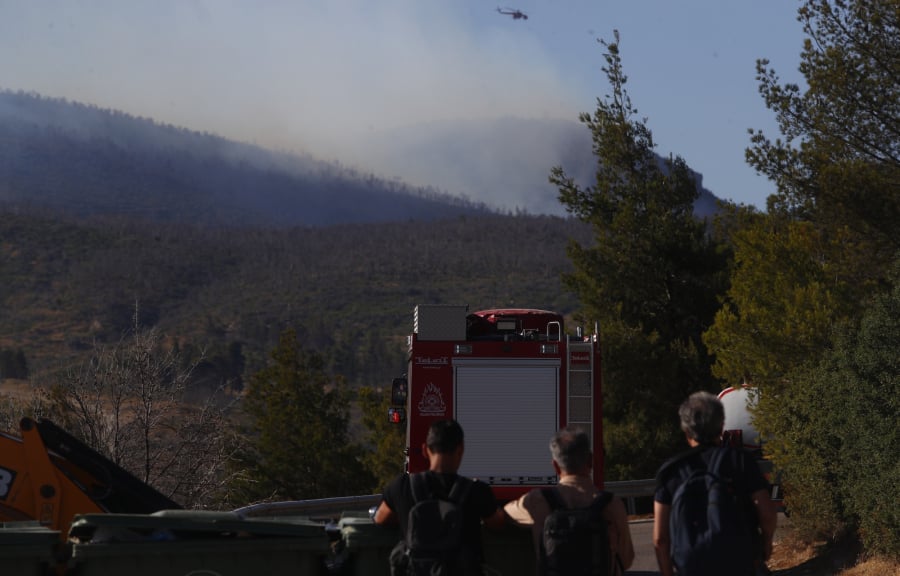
85,160
222,245
349,290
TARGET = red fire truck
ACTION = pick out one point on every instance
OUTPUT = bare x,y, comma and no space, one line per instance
511,378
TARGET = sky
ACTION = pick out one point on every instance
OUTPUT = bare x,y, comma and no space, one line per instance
330,77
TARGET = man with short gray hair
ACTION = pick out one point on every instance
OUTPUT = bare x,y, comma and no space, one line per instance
702,418
572,459
685,501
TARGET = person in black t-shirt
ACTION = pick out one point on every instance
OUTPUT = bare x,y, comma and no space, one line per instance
444,449
702,420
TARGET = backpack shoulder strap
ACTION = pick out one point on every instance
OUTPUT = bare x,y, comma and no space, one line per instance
677,466
460,490
602,500
554,500
727,464
715,463
418,485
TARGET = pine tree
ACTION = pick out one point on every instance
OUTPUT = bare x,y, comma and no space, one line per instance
298,445
651,278
386,440
838,162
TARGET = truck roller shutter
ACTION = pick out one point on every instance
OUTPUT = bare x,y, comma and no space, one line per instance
502,405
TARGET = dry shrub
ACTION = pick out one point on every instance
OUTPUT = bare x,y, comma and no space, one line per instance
790,549
874,567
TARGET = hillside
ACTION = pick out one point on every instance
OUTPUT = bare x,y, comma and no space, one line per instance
221,245
349,290
83,160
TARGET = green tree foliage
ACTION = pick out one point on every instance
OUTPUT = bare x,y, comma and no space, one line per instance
808,318
839,162
385,440
651,277
784,298
866,370
841,431
298,446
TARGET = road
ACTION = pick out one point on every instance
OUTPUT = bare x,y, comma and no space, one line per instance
644,557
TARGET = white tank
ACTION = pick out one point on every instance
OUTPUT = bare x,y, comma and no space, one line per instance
738,402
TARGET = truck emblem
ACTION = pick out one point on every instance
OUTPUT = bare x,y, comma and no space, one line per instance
432,402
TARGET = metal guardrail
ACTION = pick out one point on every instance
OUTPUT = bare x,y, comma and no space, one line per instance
628,490
322,507
332,507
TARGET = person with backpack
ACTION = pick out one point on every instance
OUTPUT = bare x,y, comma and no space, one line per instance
576,529
712,513
439,512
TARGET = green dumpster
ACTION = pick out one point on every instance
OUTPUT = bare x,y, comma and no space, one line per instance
27,548
509,551
196,543
366,546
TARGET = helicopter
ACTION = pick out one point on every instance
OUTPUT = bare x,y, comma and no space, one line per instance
516,14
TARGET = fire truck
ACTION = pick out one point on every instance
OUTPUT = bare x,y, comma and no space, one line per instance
511,377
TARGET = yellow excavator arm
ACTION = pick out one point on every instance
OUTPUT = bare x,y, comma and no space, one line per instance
49,476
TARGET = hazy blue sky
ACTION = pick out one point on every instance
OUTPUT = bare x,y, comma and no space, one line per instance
322,75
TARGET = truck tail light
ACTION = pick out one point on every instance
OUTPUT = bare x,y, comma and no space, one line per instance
397,415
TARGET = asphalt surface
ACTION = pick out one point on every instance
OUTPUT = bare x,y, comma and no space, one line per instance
644,556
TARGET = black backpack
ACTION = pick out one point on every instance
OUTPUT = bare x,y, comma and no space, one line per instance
434,534
709,530
575,541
